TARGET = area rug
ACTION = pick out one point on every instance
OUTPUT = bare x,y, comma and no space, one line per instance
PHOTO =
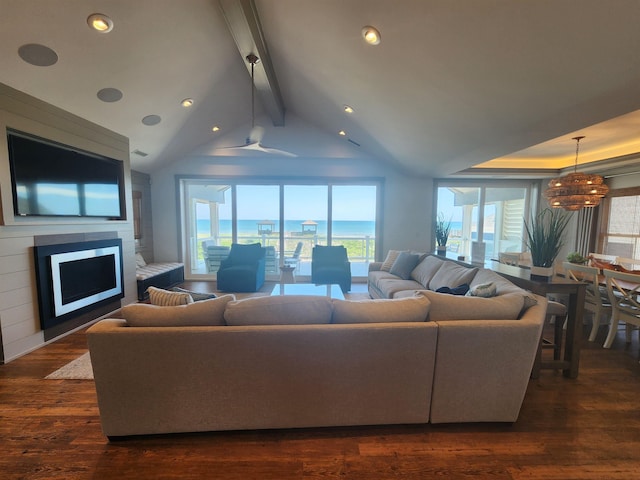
78,369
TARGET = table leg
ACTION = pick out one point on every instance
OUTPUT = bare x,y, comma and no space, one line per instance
574,333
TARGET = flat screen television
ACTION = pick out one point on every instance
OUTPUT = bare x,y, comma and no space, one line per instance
51,179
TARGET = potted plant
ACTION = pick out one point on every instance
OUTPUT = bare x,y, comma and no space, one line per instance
577,258
442,229
544,239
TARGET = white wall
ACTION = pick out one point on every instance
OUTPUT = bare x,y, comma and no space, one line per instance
19,321
407,201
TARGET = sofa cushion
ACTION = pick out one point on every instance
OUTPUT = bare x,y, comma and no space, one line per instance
165,298
449,307
426,269
389,286
404,265
391,257
385,310
206,312
279,310
451,275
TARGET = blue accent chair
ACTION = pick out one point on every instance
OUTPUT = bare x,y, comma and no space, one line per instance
330,265
243,270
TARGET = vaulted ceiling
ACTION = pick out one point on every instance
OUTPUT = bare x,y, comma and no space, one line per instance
453,83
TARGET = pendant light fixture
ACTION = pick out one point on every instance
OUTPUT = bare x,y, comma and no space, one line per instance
576,190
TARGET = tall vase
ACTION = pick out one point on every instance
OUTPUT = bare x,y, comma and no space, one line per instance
441,250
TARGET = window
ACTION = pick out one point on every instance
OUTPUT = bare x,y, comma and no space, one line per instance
484,216
620,226
279,215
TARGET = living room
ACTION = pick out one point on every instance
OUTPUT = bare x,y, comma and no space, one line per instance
448,88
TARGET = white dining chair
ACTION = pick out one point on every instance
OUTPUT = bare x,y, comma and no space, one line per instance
596,298
623,290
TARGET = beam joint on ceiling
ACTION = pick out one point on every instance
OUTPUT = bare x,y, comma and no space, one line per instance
243,22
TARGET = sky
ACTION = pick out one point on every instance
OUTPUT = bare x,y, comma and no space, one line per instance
302,202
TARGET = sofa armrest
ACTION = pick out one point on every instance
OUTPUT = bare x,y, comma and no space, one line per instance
375,266
483,367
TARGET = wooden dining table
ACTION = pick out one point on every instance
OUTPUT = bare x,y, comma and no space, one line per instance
570,362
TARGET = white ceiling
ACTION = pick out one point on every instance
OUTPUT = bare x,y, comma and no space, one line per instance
453,84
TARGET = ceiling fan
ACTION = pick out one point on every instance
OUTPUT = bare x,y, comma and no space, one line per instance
257,132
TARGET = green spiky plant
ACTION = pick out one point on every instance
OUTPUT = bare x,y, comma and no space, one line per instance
545,236
442,229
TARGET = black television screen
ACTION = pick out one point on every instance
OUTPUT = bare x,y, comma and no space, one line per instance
51,179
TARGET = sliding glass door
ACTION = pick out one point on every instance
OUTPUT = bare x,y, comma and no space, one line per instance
486,218
281,216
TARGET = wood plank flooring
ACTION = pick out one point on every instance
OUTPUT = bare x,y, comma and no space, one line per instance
587,428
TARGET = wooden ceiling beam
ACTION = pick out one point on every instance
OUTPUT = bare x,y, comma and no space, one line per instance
243,22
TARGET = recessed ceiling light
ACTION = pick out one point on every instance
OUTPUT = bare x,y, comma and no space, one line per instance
342,133
187,102
215,128
371,35
100,22
348,109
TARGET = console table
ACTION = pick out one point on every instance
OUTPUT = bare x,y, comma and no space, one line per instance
575,310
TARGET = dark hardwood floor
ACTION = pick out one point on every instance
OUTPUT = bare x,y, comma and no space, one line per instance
587,428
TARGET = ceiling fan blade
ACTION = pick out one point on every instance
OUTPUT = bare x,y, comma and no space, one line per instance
275,151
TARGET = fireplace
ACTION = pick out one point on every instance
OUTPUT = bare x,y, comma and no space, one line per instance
76,278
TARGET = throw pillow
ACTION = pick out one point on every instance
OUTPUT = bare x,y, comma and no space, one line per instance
485,290
391,257
204,313
404,265
407,309
279,310
140,261
197,296
165,298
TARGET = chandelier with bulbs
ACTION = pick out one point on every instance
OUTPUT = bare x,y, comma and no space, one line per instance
576,190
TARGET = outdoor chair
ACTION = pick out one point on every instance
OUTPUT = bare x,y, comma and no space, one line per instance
243,270
330,265
294,259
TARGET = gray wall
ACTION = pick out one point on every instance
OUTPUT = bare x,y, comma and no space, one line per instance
19,322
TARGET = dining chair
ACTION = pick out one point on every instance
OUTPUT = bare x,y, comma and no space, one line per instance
623,290
596,298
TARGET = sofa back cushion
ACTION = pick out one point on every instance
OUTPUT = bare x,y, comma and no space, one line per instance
245,254
426,269
279,310
452,307
206,312
451,275
408,309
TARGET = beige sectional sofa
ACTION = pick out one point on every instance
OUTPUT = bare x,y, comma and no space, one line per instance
302,361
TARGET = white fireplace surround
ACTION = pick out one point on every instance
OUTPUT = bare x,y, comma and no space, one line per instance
61,308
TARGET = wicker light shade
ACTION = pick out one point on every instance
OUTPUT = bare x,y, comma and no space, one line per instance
576,190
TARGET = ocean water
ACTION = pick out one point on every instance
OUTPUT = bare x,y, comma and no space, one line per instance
340,228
